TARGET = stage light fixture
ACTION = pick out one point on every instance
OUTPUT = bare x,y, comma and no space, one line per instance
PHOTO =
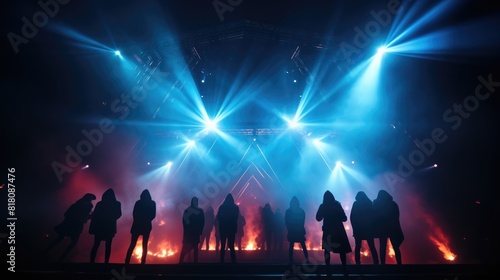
118,53
338,163
168,164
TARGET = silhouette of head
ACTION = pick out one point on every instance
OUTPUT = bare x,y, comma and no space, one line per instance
229,199
145,195
89,197
294,202
109,195
383,195
194,201
362,197
328,198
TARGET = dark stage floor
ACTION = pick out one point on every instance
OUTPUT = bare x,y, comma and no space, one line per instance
251,265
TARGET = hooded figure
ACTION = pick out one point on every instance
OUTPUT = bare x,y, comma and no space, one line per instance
295,218
193,221
387,226
72,225
227,218
363,226
267,226
103,223
144,212
334,235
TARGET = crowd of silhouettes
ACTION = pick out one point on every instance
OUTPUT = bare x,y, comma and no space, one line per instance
370,220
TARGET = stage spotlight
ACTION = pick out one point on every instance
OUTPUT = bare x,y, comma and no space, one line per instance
293,124
381,50
190,143
149,163
338,163
85,167
211,125
435,165
118,53
168,164
316,141
352,162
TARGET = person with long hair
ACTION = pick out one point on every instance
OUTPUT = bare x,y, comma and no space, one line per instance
227,217
334,238
387,225
363,226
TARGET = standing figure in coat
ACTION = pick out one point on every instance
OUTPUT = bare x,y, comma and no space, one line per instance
207,228
363,226
227,217
103,223
72,225
193,221
144,212
268,226
387,225
295,218
334,235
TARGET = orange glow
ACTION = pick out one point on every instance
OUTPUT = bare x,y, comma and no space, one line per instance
251,245
365,253
163,250
391,250
440,240
444,248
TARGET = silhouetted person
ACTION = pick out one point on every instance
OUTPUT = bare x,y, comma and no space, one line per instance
207,228
193,221
268,225
217,235
279,230
240,232
72,225
295,218
387,225
103,223
362,221
144,212
334,235
227,216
